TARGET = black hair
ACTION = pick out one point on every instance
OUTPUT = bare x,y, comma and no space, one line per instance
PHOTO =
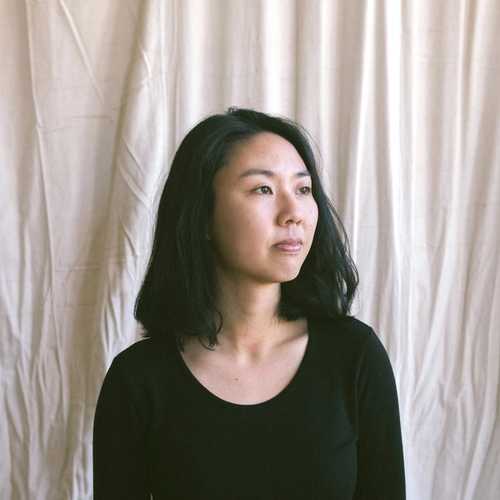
177,296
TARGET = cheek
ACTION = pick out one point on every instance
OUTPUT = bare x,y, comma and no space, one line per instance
243,231
310,224
313,215
316,218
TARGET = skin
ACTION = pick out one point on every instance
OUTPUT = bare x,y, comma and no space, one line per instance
251,214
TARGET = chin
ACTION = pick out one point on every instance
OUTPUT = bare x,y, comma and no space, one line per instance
290,279
277,272
284,276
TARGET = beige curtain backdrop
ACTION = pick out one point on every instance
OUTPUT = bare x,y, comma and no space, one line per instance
402,99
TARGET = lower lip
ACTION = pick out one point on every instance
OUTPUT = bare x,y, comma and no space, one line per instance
289,248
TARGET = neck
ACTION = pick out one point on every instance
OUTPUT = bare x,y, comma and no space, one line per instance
251,328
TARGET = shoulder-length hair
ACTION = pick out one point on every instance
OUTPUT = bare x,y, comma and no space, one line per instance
177,296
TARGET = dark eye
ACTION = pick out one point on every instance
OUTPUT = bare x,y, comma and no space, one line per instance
262,187
307,188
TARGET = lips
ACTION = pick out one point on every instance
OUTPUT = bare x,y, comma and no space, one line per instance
289,245
291,242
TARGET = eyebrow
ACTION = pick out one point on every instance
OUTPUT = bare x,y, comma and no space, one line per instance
270,173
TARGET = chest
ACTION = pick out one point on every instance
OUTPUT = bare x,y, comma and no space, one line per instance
301,445
246,384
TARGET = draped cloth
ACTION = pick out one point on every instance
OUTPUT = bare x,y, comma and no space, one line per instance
402,102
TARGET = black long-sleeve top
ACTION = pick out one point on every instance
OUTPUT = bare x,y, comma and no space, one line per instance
333,432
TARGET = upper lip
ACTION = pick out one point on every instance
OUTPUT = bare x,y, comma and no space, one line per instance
290,241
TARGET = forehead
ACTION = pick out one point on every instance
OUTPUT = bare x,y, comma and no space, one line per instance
264,151
264,145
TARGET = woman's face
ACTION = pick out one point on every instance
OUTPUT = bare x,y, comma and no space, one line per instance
253,212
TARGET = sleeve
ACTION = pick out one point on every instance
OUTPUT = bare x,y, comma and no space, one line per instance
381,474
119,459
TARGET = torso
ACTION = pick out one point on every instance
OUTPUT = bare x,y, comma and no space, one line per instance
254,384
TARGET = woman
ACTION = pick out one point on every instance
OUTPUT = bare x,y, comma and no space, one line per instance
252,381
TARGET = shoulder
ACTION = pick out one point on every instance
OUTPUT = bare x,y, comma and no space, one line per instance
140,351
141,374
345,331
349,342
144,358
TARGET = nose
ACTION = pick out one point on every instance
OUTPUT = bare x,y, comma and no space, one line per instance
291,210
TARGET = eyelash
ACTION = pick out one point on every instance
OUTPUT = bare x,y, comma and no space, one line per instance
309,190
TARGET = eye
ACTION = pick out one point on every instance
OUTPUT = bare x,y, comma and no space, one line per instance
304,190
262,187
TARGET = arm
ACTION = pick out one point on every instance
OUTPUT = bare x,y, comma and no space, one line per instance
119,461
381,474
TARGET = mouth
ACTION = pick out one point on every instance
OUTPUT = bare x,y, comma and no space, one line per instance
289,247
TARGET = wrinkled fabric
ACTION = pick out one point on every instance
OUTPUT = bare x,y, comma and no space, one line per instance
402,102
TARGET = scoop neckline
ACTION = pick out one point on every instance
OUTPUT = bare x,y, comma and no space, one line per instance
205,392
